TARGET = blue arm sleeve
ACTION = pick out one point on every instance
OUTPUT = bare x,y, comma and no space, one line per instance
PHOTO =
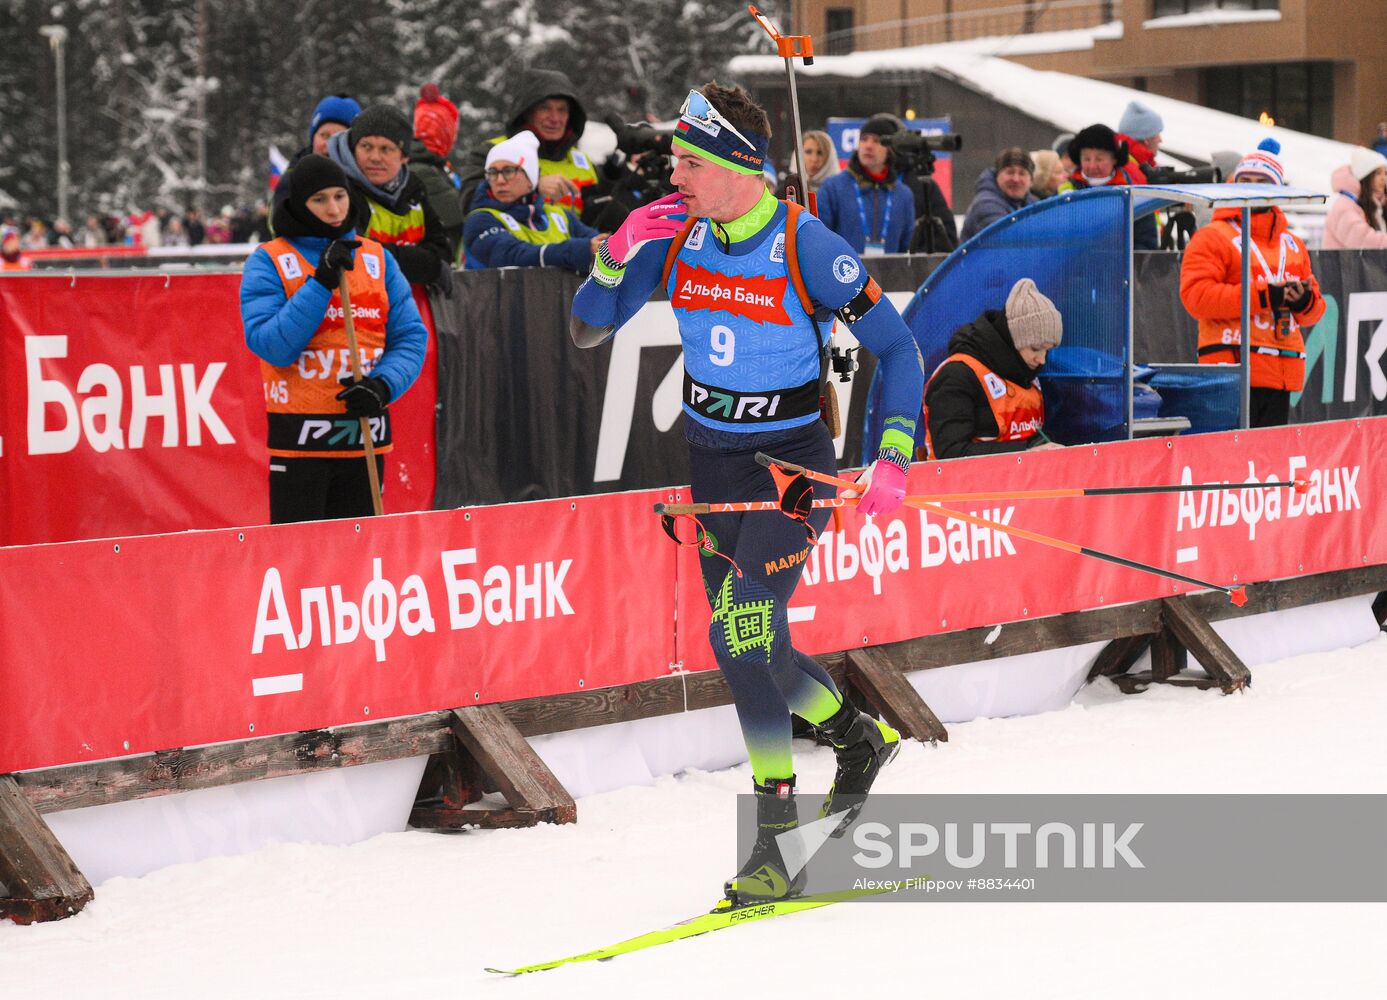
406,337
278,328
833,275
598,305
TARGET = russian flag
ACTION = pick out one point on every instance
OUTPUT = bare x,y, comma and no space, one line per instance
278,164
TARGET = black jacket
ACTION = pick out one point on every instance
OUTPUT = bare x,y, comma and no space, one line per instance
955,400
538,85
437,175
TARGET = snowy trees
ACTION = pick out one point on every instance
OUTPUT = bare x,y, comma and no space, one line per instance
134,84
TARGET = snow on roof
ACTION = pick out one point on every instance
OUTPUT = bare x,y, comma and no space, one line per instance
1203,18
1072,102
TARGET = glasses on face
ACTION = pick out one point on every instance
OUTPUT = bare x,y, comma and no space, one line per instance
503,173
696,106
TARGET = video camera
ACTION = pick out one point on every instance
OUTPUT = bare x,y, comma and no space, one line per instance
1195,175
914,151
635,138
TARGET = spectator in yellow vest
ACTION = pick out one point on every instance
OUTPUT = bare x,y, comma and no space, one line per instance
985,398
548,106
510,226
372,153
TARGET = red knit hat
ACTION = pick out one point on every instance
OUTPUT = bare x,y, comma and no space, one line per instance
435,120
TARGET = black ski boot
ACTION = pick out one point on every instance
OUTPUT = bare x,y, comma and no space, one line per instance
765,877
863,747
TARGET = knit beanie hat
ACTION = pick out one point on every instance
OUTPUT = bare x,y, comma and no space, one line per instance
1262,162
1364,161
1098,137
383,120
310,175
881,125
1226,160
334,108
1061,143
1140,122
435,120
522,149
1034,321
1015,156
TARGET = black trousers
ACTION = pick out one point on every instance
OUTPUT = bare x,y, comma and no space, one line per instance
320,489
1269,408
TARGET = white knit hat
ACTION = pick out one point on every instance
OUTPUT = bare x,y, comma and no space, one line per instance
1033,320
522,149
1363,161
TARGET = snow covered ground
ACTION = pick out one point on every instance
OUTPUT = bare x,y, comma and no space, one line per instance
413,914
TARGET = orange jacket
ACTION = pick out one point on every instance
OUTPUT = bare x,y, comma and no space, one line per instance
1210,289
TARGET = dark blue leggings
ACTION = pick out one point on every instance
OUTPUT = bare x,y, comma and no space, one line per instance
750,631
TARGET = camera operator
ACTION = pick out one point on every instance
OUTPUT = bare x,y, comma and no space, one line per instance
867,204
935,229
636,174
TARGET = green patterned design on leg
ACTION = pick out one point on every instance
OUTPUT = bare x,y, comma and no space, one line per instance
746,626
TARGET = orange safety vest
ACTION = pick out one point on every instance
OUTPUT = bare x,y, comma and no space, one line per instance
1018,410
306,419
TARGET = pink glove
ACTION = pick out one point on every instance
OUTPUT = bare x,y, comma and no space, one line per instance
881,487
649,222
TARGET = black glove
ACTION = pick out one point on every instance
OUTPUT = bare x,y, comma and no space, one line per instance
367,398
443,282
1302,302
1276,297
336,258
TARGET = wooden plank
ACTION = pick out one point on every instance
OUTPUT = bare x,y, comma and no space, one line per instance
1055,632
1278,595
1168,656
40,877
871,672
500,750
1118,656
1194,631
184,770
1137,683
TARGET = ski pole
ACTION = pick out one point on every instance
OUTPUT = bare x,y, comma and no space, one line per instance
1238,595
791,47
1299,485
742,506
366,440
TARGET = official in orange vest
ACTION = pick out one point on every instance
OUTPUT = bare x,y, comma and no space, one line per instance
985,399
1285,295
292,312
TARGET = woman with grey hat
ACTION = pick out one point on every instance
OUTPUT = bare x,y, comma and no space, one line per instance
985,399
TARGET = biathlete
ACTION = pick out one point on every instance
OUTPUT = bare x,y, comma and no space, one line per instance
754,283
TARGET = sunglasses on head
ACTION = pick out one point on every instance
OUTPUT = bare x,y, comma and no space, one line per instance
503,173
697,107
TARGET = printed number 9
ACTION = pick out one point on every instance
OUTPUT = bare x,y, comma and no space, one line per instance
724,346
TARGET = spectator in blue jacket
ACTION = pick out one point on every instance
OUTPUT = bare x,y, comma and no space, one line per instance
868,204
1001,190
510,225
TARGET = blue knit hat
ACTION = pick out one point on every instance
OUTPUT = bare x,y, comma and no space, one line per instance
1140,122
334,108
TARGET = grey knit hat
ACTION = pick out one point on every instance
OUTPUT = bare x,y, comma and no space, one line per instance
1032,318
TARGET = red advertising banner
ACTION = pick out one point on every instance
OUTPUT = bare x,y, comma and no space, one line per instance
887,579
139,644
127,646
131,405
